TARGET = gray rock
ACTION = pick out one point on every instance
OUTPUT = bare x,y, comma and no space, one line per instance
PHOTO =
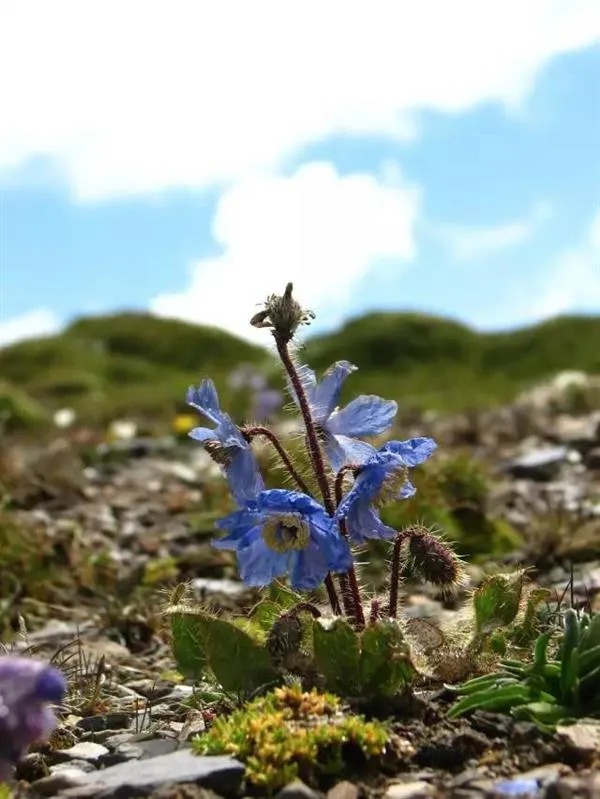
417,789
84,750
59,780
82,765
110,721
122,753
541,464
343,790
297,790
221,774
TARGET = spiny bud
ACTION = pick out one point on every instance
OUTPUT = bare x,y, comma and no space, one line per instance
218,453
436,562
283,314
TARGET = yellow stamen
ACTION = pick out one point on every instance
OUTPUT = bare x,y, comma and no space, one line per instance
285,532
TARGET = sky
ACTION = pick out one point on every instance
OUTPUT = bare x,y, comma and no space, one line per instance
189,158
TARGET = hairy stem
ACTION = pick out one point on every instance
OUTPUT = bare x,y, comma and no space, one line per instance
252,432
357,609
314,449
353,586
395,570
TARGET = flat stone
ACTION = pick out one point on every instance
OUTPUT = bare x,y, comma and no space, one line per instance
84,750
82,765
541,464
297,790
417,789
59,780
583,737
516,787
221,774
109,721
343,790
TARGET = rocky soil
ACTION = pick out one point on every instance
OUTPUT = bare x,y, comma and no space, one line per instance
104,533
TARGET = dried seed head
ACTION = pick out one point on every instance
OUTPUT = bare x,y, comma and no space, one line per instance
434,560
283,315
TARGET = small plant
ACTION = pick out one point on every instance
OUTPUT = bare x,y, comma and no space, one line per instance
291,734
555,687
309,534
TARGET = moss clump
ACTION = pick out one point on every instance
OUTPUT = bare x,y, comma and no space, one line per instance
290,734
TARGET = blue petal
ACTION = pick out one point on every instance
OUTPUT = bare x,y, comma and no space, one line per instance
367,415
363,522
259,565
365,488
206,400
244,477
413,451
325,395
230,434
342,450
308,379
325,532
280,500
309,567
203,434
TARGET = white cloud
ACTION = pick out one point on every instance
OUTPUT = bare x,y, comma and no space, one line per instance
137,97
467,243
573,282
40,322
321,230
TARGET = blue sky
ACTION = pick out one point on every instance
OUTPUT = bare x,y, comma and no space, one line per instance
189,167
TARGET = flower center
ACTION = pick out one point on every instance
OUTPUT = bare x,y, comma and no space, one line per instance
285,532
391,486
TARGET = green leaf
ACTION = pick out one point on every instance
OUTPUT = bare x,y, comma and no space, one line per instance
337,657
385,664
495,699
548,713
188,642
497,600
591,637
265,614
238,662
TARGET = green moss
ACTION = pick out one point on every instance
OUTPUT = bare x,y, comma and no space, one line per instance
289,734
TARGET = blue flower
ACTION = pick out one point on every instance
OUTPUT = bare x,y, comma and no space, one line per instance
366,415
284,532
382,479
27,686
226,443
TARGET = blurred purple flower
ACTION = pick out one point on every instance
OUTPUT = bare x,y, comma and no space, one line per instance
266,404
27,687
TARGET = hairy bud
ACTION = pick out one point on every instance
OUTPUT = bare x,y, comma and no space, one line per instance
433,559
283,314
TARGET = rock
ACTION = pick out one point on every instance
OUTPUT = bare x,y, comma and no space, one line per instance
582,737
109,721
59,780
541,464
219,773
297,790
416,789
592,458
81,765
343,790
122,753
517,787
85,750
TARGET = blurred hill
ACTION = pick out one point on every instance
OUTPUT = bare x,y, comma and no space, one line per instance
138,365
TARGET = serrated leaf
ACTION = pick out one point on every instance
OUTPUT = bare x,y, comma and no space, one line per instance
497,600
337,657
385,664
188,643
239,663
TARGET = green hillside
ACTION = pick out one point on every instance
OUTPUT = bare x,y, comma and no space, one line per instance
137,364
